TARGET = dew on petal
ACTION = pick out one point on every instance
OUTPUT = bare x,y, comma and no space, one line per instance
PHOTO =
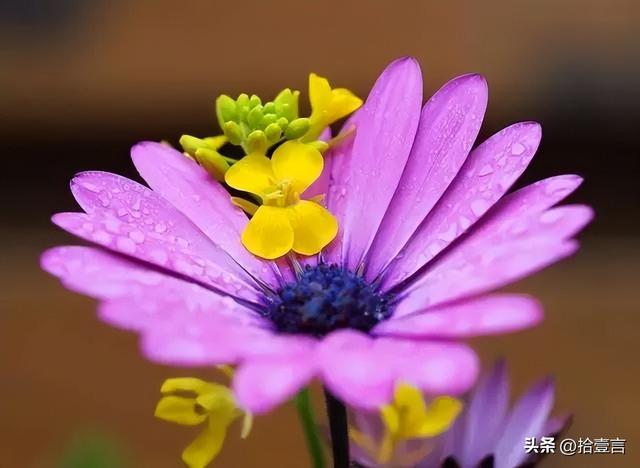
125,245
517,149
137,236
479,206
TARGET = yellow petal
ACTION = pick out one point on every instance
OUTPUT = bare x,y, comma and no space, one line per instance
409,402
269,233
179,410
390,418
313,227
247,206
328,105
207,445
344,102
188,384
251,174
213,401
298,163
441,413
319,92
215,142
247,425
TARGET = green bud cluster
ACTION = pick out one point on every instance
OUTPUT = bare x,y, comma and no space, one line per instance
255,126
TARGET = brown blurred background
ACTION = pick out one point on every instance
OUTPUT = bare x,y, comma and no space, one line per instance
81,81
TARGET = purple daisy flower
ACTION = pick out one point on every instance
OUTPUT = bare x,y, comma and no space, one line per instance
426,234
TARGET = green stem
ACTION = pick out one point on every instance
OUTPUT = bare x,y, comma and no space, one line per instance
310,428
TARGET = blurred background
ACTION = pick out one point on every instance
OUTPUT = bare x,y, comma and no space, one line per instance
81,81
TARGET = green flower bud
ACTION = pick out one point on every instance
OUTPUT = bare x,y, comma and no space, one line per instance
273,132
254,118
225,109
269,108
233,132
282,123
190,144
256,142
286,103
269,119
254,101
297,128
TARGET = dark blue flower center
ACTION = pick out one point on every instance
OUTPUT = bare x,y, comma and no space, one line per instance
327,298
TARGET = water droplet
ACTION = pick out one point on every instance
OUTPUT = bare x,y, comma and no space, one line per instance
102,237
137,236
126,245
486,170
517,149
479,206
464,222
104,199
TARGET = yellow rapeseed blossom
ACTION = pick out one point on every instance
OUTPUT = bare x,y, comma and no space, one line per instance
408,417
208,403
284,221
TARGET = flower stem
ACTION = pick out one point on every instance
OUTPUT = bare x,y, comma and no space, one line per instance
339,430
310,428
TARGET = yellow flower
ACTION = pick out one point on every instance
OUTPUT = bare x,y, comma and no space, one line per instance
328,105
211,404
283,222
408,417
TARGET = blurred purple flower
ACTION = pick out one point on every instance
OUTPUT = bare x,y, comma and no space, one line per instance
486,434
425,233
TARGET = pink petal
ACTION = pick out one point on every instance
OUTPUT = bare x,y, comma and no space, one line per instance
449,124
261,385
532,199
128,218
188,187
352,372
150,295
533,239
386,126
481,271
437,368
486,175
338,159
170,313
194,340
363,371
487,315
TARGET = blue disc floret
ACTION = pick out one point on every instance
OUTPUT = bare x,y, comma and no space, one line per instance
326,298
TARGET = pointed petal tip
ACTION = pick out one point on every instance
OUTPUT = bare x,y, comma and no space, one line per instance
543,388
405,65
471,80
142,148
534,127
